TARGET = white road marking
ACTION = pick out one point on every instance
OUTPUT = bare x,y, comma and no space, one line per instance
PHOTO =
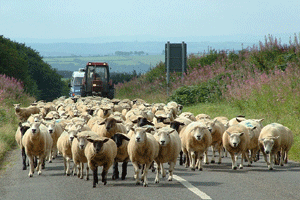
192,188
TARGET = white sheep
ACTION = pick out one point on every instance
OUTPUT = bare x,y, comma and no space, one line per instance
143,149
275,138
100,151
55,130
78,156
24,113
108,127
37,143
188,115
64,146
169,149
235,141
216,129
195,139
254,129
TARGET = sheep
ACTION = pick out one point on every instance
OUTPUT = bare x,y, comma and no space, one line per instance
188,115
78,156
24,113
175,105
254,131
121,141
169,149
235,141
143,149
202,116
37,143
34,118
236,120
64,146
223,120
100,151
55,130
23,127
105,111
275,138
108,127
195,139
216,129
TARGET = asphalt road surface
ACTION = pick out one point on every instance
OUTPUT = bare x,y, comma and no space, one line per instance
216,181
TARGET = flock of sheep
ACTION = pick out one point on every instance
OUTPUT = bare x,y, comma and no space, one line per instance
103,132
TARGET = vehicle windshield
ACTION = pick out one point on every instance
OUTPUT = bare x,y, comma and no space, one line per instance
98,73
78,80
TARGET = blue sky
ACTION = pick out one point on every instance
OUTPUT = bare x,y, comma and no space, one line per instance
151,20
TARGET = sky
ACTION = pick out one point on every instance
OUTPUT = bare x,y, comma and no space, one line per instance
151,20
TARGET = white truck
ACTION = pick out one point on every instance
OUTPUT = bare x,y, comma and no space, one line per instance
76,82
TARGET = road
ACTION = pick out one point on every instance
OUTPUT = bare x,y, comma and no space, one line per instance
214,182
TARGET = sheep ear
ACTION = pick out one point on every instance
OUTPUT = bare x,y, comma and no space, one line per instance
105,140
101,122
228,133
118,121
276,137
75,136
253,128
90,140
124,137
261,139
20,124
172,131
241,134
166,122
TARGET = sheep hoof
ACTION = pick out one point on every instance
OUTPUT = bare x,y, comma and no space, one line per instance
145,185
241,167
24,167
212,161
94,186
50,161
39,173
156,181
219,162
137,183
200,169
30,175
193,169
67,174
87,179
105,182
234,168
123,178
170,179
270,168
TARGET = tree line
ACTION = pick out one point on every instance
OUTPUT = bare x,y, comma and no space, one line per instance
25,64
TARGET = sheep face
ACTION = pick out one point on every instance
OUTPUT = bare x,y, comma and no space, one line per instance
118,138
234,138
17,106
175,125
268,144
51,127
140,135
82,141
164,137
72,134
35,127
97,144
199,133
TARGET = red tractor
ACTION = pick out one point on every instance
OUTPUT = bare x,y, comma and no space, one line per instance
96,81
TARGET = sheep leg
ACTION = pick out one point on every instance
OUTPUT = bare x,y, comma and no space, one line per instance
87,172
282,157
163,171
242,159
145,174
157,172
104,174
233,160
115,171
24,158
220,154
31,165
271,160
181,158
213,147
75,168
171,169
68,160
81,170
95,176
124,169
137,172
193,160
200,161
206,158
39,165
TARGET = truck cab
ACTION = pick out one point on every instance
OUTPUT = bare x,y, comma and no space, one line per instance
96,80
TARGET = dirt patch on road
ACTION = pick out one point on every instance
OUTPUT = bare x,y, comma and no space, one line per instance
9,159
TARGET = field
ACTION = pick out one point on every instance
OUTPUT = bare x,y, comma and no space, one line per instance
140,64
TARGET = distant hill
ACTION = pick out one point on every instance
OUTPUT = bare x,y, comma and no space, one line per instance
109,48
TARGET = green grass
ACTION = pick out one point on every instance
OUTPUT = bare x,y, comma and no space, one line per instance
73,63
